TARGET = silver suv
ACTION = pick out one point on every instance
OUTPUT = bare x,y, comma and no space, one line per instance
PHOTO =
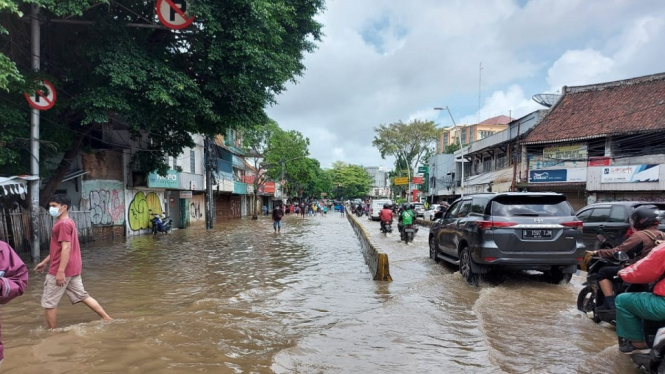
509,231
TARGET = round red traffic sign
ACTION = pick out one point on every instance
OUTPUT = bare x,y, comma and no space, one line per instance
172,13
42,100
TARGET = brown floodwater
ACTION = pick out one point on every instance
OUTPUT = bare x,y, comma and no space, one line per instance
241,299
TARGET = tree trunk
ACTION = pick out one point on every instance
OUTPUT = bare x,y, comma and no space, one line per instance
49,188
255,215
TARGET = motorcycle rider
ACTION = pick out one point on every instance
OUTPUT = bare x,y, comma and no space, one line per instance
406,216
385,215
644,219
633,307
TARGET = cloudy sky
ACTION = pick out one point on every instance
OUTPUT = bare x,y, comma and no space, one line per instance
387,60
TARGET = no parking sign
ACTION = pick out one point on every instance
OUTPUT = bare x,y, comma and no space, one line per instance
172,13
42,100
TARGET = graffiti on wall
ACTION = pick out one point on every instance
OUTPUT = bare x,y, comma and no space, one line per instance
196,208
105,200
141,209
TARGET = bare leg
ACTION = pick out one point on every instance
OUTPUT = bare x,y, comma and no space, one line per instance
94,305
51,317
606,287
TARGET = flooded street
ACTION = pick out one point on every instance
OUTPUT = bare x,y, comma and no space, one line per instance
240,299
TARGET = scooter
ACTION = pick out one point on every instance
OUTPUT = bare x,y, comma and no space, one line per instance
407,233
591,296
386,227
167,224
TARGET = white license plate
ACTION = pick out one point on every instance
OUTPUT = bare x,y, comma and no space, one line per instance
536,234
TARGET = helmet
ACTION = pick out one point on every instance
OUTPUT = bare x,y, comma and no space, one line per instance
386,206
644,216
411,206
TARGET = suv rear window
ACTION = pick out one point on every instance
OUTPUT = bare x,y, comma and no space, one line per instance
531,206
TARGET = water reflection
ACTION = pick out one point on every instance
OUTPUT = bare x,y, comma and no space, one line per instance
241,299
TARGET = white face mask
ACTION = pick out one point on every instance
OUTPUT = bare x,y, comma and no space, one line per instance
55,212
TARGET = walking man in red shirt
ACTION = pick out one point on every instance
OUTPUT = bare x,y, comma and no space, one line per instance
64,274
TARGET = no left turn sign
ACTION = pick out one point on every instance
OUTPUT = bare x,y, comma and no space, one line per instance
42,100
172,13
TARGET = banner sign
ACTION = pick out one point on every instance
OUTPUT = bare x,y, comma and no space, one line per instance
168,181
557,175
399,181
422,169
630,174
269,187
417,180
185,194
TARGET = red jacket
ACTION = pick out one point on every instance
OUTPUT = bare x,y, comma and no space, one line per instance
385,215
647,270
14,278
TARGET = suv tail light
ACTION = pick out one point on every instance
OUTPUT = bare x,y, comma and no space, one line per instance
577,225
489,225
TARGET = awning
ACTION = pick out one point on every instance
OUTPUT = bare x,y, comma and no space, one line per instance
497,176
15,185
73,175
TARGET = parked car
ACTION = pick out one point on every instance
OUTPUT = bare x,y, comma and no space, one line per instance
435,212
419,209
611,220
509,231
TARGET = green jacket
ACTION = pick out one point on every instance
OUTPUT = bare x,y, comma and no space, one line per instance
407,217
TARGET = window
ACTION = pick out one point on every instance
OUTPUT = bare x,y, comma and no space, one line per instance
175,162
584,215
452,212
192,162
600,215
618,214
479,204
446,138
465,209
531,206
464,135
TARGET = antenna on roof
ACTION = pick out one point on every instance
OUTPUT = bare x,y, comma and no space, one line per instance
546,99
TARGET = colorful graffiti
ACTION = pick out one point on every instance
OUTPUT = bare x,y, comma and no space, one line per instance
105,200
141,210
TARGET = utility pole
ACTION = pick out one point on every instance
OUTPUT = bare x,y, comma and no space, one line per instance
513,186
35,41
209,199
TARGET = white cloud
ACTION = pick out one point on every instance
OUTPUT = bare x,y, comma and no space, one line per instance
384,61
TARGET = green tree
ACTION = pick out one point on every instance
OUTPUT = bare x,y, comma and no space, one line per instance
162,85
286,156
452,148
350,180
255,144
407,142
321,183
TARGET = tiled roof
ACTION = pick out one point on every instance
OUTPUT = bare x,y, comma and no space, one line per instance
612,108
498,120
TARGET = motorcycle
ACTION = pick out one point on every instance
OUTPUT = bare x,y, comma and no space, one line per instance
591,296
654,336
407,233
166,224
386,227
359,211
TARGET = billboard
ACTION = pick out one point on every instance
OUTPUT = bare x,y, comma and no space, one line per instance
630,174
557,175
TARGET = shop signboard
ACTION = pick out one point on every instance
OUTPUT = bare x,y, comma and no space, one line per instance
630,174
170,180
558,175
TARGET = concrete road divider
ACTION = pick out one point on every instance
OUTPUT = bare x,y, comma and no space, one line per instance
423,222
375,259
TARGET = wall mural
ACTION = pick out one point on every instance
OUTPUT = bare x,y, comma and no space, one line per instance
141,210
105,200
196,205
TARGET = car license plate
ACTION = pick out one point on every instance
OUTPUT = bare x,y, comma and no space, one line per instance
536,234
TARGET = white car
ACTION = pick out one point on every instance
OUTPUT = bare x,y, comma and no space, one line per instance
429,214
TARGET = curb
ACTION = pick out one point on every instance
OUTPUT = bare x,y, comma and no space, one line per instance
374,258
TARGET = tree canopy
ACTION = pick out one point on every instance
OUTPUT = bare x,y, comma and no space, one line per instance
350,180
409,142
162,85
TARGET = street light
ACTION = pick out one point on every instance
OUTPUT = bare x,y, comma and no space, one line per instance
461,145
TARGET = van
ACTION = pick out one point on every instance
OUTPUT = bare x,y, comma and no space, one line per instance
376,206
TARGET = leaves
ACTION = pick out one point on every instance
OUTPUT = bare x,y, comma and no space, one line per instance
350,180
408,143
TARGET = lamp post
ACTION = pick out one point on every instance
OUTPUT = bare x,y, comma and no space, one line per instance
461,145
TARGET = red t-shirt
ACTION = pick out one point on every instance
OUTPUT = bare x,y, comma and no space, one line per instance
64,230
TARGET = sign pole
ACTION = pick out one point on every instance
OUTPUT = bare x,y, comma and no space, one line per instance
35,41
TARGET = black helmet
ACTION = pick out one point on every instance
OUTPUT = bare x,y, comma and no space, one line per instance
644,216
411,206
386,206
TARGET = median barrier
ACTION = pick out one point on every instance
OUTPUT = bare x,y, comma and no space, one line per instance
423,222
374,258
